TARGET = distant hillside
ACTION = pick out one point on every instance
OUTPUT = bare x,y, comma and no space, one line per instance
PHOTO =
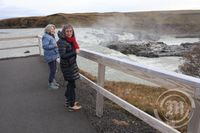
157,21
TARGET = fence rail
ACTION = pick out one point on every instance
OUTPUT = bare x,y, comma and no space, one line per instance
163,78
17,47
166,79
17,38
170,80
25,46
157,124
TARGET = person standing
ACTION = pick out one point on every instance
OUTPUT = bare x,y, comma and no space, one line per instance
50,54
68,50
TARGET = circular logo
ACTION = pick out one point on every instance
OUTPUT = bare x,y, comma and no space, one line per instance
174,107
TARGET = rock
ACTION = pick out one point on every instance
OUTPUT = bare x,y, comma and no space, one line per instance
190,45
151,49
26,52
120,122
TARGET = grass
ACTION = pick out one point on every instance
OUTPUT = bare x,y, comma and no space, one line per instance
142,96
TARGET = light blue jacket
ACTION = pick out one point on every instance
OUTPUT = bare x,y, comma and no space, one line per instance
49,46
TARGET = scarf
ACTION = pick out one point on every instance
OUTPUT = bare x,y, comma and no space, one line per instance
73,41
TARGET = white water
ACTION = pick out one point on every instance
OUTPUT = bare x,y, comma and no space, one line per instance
90,38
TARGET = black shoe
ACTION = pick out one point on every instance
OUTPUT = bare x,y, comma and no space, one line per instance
66,103
75,103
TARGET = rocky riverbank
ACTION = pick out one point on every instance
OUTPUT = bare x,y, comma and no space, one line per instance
151,49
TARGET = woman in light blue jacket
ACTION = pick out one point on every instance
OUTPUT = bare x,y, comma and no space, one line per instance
50,53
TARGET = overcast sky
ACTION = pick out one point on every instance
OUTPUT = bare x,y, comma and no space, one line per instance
19,8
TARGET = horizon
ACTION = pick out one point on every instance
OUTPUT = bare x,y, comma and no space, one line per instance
28,8
101,12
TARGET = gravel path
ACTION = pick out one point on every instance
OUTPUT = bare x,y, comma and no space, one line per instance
114,120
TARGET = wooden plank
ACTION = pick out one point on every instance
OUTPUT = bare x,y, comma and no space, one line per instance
16,38
170,80
17,47
39,45
99,97
157,124
41,50
99,104
194,123
101,75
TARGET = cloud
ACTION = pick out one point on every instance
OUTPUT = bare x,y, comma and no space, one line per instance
12,11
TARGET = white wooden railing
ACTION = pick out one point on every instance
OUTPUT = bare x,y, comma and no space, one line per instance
26,46
169,80
163,78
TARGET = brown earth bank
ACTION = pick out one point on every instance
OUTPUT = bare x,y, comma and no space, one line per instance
183,21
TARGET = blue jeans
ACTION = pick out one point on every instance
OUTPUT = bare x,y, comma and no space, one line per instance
52,70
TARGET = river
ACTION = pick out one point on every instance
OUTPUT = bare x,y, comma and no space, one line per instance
91,38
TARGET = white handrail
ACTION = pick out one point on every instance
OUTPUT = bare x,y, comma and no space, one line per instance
25,46
160,77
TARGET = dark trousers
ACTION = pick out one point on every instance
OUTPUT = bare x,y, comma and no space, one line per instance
52,70
70,93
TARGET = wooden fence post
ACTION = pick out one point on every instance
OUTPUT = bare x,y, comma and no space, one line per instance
99,97
194,123
39,45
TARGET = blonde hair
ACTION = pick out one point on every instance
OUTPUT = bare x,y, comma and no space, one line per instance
48,28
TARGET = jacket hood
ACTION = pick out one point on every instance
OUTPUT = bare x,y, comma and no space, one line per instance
60,35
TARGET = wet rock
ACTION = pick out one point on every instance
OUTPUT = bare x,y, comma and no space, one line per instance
151,49
190,45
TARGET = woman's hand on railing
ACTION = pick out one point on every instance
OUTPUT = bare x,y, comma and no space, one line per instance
77,51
